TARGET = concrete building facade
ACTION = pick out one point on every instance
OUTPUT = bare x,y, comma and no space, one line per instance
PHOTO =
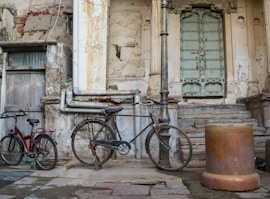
57,57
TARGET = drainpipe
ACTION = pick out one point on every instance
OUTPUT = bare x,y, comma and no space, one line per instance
77,104
137,126
104,92
84,109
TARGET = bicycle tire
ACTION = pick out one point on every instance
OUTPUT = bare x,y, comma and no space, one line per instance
169,148
46,152
12,149
81,141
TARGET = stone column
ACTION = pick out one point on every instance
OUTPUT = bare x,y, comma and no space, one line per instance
154,79
4,64
267,27
252,72
90,33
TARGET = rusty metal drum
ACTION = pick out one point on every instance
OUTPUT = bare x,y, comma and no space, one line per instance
230,157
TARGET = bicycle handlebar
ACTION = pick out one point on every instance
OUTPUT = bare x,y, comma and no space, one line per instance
17,114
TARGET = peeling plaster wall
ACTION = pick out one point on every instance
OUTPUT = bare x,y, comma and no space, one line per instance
35,20
32,20
90,45
249,51
128,65
129,45
129,62
245,51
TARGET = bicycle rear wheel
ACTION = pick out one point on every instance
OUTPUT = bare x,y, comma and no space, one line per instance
82,142
46,152
169,148
12,149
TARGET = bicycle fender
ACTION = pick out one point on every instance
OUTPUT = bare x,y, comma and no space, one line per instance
78,126
48,136
82,123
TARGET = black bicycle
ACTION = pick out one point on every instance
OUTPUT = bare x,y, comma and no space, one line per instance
95,139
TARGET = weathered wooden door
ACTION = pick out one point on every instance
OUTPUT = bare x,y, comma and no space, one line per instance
202,53
25,84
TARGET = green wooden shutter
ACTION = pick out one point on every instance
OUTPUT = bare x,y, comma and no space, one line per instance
202,54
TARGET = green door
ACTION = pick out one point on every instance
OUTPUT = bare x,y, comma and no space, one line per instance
202,54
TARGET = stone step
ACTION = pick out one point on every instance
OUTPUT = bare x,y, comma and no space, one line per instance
192,119
216,115
200,132
199,108
199,123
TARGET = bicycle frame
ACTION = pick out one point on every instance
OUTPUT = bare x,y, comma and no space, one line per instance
112,118
24,138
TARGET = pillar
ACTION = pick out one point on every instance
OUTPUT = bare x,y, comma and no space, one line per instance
90,35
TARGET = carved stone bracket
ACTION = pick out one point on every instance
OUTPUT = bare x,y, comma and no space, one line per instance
178,6
231,6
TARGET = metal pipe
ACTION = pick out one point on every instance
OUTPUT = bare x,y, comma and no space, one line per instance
79,104
63,108
164,92
137,127
104,92
88,107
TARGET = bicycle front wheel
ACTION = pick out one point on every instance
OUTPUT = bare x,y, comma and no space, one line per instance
12,149
82,142
169,148
46,152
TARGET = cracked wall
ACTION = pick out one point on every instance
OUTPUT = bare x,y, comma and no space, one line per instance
7,16
129,45
35,20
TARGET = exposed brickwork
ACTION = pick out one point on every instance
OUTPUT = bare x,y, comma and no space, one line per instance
22,20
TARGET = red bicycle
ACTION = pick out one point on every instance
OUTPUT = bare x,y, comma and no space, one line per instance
38,145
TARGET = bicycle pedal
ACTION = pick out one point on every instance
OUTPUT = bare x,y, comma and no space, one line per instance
32,155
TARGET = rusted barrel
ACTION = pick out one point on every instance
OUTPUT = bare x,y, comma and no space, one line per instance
230,158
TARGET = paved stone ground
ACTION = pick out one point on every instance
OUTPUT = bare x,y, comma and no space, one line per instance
192,180
119,179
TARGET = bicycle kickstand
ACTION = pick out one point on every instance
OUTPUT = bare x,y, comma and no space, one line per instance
34,164
97,161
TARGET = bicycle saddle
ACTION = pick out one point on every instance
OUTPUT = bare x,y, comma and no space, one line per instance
113,109
33,121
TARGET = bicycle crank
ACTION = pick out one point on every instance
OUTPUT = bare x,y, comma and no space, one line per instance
122,147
